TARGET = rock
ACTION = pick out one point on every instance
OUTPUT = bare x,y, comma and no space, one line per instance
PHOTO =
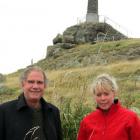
88,33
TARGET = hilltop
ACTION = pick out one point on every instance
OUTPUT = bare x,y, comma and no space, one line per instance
83,55
86,44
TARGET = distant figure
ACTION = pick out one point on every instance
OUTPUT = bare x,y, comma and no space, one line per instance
30,117
110,121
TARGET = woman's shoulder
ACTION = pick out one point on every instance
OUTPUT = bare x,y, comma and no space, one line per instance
128,113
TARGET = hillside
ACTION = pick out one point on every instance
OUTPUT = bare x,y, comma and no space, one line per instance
70,74
70,71
78,55
83,55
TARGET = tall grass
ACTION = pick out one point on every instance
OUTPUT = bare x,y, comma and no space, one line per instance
71,115
70,91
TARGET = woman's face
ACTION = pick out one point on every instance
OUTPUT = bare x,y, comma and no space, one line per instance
104,98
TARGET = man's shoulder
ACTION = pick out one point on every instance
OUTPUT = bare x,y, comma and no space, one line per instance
8,104
48,105
51,106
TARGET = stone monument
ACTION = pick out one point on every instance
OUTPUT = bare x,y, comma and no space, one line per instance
92,11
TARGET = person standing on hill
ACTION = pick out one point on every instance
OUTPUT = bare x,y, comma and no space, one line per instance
110,121
30,117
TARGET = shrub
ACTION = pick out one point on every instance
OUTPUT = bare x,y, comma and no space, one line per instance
71,117
6,90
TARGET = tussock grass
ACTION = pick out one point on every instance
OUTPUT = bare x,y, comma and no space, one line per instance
69,89
74,82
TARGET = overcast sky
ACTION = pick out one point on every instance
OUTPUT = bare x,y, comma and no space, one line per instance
27,27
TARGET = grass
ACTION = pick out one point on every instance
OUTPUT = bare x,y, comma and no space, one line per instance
86,54
69,88
74,82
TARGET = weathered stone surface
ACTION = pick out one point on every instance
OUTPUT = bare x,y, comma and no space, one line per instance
88,33
81,34
67,45
53,50
58,39
92,6
56,49
69,38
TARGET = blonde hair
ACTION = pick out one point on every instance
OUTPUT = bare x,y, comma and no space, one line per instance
105,82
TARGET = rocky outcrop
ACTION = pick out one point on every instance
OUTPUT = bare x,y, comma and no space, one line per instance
92,54
81,34
88,33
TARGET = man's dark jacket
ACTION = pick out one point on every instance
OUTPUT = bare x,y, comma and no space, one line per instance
16,120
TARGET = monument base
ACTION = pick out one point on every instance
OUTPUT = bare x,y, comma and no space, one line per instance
92,17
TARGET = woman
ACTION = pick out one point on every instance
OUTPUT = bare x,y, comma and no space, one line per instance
110,121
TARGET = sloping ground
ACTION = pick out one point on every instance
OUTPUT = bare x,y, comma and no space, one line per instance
69,89
87,54
81,65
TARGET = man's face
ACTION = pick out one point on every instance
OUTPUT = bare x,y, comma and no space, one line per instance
34,86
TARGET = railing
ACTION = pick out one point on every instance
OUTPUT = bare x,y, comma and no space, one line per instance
105,19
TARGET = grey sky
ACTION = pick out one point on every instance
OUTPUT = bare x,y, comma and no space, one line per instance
27,27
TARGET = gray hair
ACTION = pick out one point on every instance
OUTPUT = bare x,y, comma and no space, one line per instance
105,81
28,70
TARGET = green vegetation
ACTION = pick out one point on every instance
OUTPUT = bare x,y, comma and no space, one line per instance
85,55
69,88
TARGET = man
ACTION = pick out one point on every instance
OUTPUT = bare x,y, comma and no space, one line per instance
30,117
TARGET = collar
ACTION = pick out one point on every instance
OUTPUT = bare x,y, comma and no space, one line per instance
22,103
114,107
